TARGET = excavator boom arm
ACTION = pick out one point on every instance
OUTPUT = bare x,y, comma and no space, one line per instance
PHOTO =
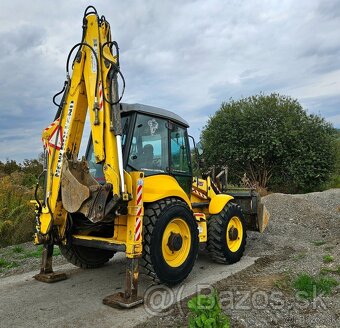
91,87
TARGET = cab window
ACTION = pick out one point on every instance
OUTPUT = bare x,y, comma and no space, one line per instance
149,146
180,165
179,151
96,170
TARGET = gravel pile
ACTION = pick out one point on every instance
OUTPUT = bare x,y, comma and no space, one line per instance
302,230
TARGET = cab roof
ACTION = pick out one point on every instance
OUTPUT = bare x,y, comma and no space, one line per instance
153,111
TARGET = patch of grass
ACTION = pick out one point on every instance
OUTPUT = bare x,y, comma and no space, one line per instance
56,251
7,265
299,256
309,287
18,249
38,251
205,311
328,259
319,242
330,270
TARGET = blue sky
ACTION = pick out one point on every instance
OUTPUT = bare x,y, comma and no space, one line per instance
185,56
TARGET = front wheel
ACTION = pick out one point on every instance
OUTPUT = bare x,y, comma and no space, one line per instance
227,234
170,240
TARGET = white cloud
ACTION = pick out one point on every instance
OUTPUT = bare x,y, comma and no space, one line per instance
335,119
186,56
322,85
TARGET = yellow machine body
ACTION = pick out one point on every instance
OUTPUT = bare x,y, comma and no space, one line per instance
123,195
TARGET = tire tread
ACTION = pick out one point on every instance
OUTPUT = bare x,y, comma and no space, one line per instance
215,245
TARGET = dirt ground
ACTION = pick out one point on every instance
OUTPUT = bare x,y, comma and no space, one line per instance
303,229
24,258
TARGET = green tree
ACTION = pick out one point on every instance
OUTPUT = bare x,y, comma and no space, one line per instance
9,166
31,168
273,140
335,178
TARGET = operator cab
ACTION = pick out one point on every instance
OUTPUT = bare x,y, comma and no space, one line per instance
155,141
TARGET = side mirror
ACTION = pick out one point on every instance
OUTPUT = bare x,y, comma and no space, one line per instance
199,148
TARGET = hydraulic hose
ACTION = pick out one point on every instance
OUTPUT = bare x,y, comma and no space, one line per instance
95,56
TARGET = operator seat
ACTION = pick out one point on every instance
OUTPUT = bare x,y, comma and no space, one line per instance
147,161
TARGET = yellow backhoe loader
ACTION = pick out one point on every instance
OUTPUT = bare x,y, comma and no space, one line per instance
134,191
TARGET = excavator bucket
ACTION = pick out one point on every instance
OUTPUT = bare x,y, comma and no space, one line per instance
80,192
75,185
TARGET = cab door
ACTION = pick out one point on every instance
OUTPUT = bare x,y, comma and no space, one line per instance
180,160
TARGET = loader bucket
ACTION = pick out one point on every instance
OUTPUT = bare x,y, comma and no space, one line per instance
255,212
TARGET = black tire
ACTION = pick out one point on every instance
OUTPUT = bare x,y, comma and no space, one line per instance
217,245
85,257
157,216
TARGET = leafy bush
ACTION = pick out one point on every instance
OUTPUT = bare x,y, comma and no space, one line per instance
17,182
16,212
206,312
334,181
273,140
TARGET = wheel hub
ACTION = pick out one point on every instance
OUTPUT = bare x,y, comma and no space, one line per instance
233,233
175,242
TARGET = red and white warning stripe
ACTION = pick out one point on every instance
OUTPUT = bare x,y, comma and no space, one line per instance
199,216
52,140
53,124
198,194
139,203
100,95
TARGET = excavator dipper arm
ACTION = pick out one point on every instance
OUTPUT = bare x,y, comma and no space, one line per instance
92,87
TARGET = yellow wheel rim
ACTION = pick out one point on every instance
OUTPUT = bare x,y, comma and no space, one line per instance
176,256
234,237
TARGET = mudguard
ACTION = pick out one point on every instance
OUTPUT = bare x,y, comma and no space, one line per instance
218,202
161,186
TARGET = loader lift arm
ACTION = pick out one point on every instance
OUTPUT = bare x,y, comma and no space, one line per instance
68,186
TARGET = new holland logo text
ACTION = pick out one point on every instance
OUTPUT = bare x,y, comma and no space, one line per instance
66,128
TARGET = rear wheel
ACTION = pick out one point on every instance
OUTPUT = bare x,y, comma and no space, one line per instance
170,240
85,257
82,256
227,234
